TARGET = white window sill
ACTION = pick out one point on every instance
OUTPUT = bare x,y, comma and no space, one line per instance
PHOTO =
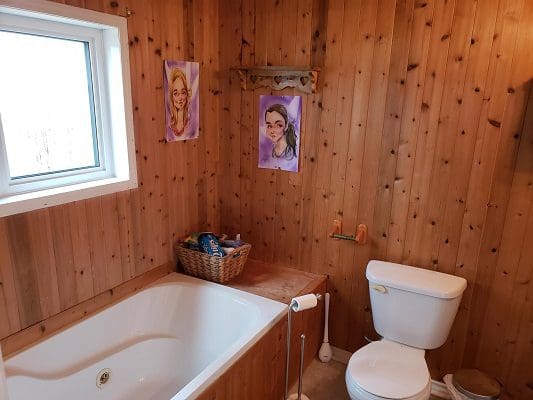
24,202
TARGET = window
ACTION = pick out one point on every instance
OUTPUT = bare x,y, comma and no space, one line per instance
66,130
48,120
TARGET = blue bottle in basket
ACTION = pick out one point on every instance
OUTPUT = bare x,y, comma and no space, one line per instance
209,244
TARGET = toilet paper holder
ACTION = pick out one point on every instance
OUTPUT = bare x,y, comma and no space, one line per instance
298,304
304,302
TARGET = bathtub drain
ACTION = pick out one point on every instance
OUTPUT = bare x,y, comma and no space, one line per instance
103,377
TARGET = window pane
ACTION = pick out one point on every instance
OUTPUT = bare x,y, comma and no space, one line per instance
46,104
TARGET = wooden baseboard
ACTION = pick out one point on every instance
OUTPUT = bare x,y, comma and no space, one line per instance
340,355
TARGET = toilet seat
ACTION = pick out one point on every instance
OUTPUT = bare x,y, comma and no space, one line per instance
357,393
390,370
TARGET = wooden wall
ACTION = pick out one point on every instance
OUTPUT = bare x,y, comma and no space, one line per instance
423,130
55,258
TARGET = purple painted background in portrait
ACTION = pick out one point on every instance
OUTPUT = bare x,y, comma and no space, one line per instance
192,72
293,104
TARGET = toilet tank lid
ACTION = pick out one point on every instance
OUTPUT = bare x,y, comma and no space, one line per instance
417,280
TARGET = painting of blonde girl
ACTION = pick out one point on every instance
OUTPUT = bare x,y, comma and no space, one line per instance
279,132
181,99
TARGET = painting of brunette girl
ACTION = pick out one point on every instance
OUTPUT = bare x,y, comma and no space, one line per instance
181,99
279,132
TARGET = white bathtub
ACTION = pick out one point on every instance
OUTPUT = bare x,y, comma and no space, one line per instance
169,341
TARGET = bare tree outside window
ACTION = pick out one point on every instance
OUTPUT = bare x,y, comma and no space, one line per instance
46,104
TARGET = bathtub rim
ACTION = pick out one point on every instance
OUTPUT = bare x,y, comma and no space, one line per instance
124,290
159,281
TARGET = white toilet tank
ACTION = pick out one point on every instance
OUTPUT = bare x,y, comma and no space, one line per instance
413,306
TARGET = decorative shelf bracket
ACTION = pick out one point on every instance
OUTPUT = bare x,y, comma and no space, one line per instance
303,79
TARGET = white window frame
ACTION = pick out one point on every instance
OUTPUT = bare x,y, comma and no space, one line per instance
108,44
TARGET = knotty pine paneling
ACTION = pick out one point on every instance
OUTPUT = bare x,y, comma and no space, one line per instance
421,129
55,258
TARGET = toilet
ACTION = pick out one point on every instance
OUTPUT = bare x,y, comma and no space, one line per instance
413,310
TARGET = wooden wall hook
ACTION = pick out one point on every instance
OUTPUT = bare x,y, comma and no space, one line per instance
336,228
361,234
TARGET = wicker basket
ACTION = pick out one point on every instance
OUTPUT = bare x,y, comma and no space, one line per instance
215,269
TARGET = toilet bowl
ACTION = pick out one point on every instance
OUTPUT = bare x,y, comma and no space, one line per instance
412,309
388,370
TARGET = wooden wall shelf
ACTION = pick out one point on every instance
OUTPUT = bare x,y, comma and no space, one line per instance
303,79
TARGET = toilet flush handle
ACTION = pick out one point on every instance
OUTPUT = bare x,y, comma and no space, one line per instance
379,288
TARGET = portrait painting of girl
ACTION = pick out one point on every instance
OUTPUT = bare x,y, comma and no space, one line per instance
279,132
181,100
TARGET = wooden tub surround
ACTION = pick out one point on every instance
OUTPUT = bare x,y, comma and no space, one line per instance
260,372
